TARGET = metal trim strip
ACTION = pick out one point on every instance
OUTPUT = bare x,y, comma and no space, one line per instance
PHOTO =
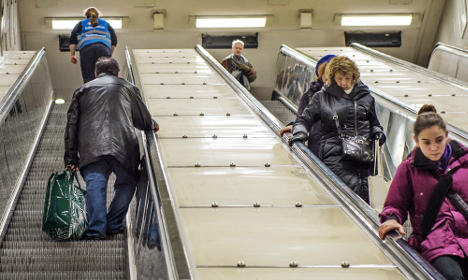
8,101
20,184
177,269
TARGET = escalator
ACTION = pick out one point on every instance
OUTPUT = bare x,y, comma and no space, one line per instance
237,201
27,253
31,148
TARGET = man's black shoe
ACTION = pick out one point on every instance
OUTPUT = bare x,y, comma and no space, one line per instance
116,231
92,237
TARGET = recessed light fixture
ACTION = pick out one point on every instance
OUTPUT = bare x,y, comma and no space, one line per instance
376,20
59,101
69,23
230,21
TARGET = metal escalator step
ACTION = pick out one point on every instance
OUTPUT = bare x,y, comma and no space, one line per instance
45,275
279,110
28,253
92,253
40,236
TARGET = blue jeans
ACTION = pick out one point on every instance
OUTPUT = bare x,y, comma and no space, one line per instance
96,175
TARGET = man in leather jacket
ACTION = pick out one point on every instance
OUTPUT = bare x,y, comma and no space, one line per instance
100,138
239,66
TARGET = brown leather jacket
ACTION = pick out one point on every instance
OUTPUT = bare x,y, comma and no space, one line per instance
248,71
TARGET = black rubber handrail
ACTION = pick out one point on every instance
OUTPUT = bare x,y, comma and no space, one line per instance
9,99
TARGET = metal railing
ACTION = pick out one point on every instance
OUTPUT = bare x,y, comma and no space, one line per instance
453,66
174,255
24,111
460,134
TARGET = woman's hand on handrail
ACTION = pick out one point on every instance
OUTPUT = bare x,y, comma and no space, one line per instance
390,225
286,129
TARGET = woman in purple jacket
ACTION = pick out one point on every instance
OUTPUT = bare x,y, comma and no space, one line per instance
440,230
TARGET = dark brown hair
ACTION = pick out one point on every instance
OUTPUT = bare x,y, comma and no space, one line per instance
107,65
427,117
321,70
93,14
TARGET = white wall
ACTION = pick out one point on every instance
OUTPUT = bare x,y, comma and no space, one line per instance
11,40
451,26
180,33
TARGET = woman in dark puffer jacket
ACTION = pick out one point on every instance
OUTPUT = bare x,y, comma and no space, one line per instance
337,99
314,134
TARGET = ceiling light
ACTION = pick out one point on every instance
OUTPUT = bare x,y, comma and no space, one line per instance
59,101
231,22
69,23
376,20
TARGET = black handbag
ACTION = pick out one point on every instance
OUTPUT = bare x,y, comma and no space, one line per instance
358,148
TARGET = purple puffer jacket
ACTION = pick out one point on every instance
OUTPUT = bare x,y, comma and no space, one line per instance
315,130
410,192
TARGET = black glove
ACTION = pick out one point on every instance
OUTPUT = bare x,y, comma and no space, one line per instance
300,136
380,136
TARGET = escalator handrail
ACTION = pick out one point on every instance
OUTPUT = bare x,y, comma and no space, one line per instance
350,201
6,104
411,66
450,49
407,250
171,245
8,101
241,91
438,76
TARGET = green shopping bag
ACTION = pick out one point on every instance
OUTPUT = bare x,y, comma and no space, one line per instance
64,216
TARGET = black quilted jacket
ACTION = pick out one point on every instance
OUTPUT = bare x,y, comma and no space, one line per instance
325,103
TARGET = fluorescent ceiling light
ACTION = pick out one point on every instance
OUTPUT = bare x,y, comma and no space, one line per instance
376,20
59,101
230,22
64,23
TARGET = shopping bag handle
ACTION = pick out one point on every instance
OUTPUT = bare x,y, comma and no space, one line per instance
72,176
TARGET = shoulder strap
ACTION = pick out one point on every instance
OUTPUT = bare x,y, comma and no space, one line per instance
355,117
437,197
457,150
337,124
459,203
441,190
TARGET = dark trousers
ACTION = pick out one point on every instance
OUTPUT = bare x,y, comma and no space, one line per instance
96,175
88,57
452,267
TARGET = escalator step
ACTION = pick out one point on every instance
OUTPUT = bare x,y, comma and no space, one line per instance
278,110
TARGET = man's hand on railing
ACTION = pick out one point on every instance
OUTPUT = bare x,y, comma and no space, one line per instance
156,128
